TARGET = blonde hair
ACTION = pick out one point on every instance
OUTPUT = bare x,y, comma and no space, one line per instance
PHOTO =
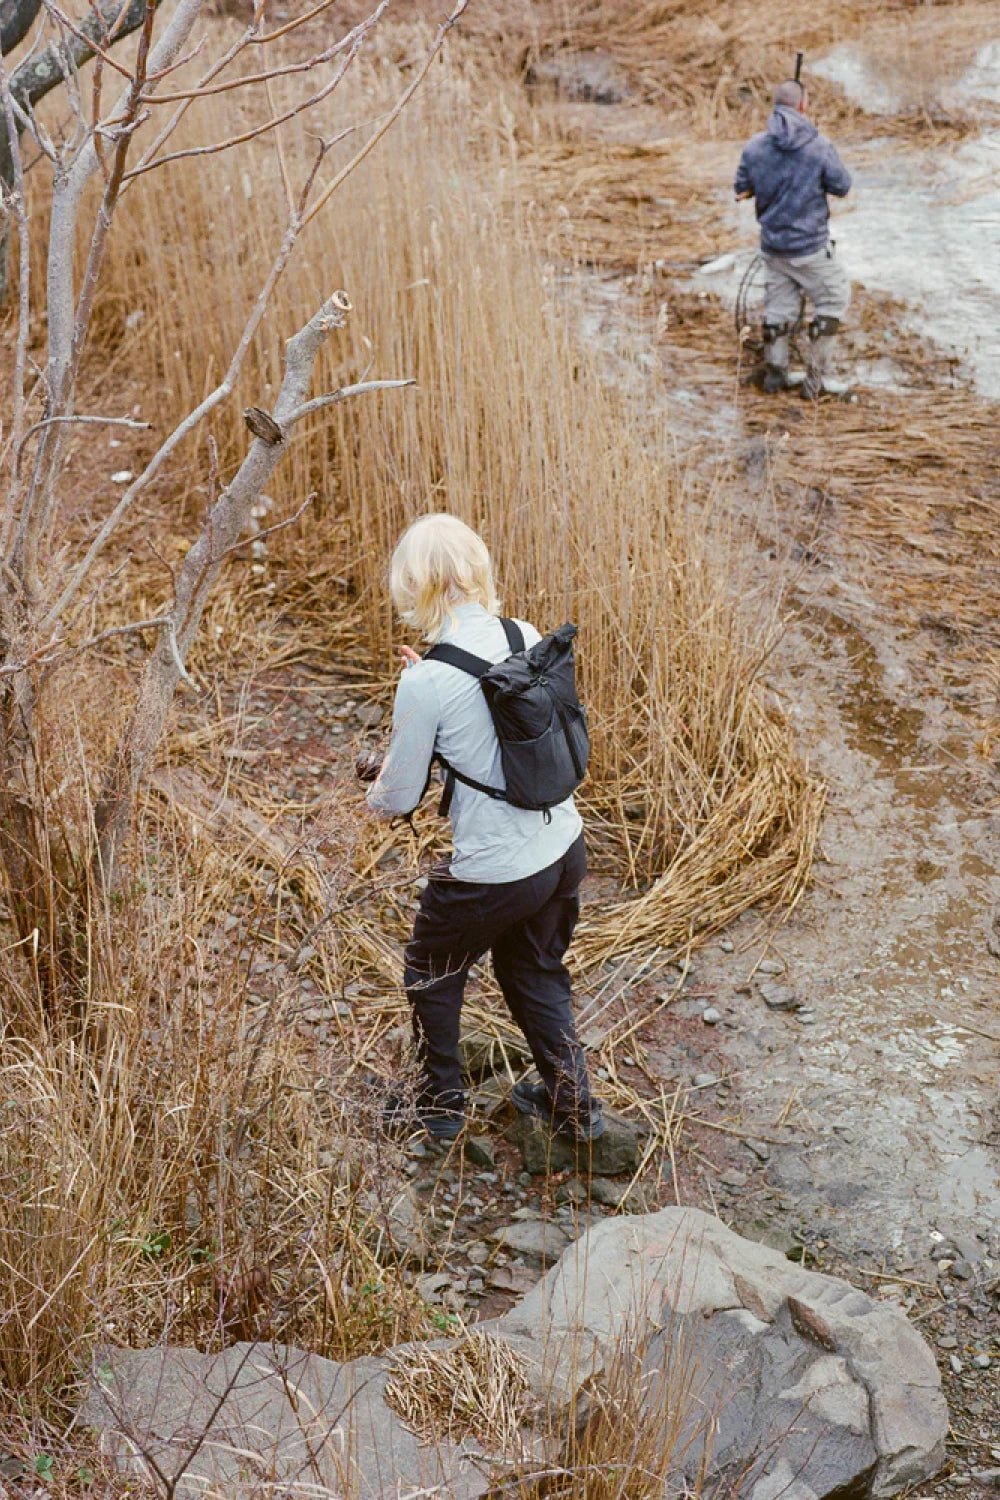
439,563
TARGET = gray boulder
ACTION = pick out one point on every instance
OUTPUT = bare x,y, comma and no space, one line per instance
756,1378
274,1420
800,1375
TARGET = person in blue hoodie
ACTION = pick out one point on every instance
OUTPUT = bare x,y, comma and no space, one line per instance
789,169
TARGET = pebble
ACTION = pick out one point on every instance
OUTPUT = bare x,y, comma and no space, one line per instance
122,477
770,966
370,715
481,1151
572,1191
727,945
760,1149
981,1361
779,997
705,1080
733,1177
477,1254
962,1270
806,1017
987,1476
711,1016
956,1364
947,1341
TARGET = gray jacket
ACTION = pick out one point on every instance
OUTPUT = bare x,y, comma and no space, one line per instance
439,708
790,168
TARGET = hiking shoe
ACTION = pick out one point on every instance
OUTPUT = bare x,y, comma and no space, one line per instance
774,379
533,1099
400,1114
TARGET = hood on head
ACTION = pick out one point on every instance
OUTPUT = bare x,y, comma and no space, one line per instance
789,128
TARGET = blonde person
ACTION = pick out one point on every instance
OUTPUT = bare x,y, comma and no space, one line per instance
511,885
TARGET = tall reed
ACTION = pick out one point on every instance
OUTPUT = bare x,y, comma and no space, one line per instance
514,425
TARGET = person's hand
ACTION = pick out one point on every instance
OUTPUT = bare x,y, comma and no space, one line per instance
408,656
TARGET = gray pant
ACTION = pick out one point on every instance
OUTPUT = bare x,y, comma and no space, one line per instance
820,276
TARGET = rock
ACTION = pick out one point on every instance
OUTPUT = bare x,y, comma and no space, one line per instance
947,1341
590,76
614,1153
805,1387
482,1054
285,1415
962,1270
402,1233
610,1194
987,1476
779,997
770,966
571,1191
489,1098
727,945
711,1016
431,1287
705,1080
981,1361
843,1396
369,715
760,1149
511,1279
539,1241
481,1151
477,1254
956,1364
733,1178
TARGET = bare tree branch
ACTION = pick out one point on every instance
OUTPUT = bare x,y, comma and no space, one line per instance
225,524
393,115
100,421
16,20
333,398
67,319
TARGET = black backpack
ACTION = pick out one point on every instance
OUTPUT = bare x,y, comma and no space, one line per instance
539,721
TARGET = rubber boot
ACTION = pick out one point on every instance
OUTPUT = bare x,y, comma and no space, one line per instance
776,352
817,381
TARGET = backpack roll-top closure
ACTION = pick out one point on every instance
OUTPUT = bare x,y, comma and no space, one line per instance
540,724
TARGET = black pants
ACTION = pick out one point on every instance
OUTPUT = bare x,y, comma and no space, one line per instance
526,925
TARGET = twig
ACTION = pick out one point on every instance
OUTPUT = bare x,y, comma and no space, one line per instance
47,422
57,651
394,113
333,398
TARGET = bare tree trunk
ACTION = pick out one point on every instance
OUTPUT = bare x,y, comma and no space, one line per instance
37,76
227,521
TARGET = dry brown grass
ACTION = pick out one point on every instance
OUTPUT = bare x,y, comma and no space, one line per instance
172,1164
476,1387
515,427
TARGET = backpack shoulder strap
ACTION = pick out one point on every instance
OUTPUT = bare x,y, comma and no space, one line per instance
454,656
514,634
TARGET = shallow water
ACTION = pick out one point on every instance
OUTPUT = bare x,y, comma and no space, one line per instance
925,226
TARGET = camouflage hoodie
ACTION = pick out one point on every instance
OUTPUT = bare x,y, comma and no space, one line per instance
789,168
